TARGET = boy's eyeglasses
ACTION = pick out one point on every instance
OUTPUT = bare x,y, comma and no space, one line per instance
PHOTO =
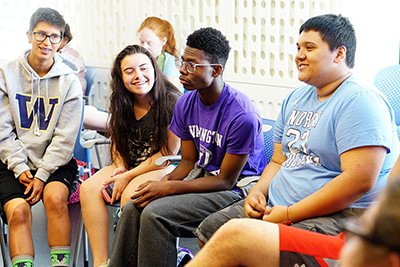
353,228
190,66
40,37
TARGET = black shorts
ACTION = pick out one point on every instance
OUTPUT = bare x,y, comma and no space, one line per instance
11,188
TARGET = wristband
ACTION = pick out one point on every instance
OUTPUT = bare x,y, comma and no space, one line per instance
288,221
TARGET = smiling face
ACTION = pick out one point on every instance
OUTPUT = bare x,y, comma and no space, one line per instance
43,52
314,60
138,74
149,40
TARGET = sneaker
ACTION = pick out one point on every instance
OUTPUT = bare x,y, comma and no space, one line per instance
184,256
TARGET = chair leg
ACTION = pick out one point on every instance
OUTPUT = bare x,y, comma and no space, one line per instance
81,234
98,157
5,229
3,244
78,241
85,248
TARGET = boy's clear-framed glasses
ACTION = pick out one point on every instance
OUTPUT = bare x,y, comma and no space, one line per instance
190,66
353,228
41,36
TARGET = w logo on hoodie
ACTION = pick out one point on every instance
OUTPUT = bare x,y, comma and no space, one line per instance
36,112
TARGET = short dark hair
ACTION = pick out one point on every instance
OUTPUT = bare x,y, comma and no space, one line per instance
212,42
48,15
335,30
67,33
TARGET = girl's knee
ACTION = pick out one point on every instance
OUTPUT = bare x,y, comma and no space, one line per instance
88,185
125,197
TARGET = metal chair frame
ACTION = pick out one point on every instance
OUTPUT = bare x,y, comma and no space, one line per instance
86,147
3,239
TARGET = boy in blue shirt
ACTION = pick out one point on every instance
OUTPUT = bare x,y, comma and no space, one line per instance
335,141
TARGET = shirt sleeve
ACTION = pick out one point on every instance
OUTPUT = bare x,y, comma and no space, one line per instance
364,120
247,124
13,152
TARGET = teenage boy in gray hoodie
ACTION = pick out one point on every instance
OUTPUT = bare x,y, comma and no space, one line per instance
40,114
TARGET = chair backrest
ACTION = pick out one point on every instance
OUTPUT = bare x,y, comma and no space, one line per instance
268,130
90,73
80,152
387,80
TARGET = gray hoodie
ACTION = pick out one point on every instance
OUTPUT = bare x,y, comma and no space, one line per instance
39,116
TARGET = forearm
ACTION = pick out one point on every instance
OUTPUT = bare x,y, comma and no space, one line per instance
62,139
395,172
336,195
181,171
200,185
146,166
13,151
266,177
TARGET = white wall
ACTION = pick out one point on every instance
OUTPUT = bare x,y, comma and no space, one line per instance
377,25
262,34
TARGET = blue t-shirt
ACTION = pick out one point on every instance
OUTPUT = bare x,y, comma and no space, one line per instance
232,124
314,134
169,68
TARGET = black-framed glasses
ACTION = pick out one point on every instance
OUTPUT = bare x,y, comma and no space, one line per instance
41,36
354,228
190,66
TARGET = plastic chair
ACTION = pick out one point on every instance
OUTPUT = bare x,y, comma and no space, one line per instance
268,130
90,73
387,80
82,152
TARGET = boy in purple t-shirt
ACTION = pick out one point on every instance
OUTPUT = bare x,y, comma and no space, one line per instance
221,140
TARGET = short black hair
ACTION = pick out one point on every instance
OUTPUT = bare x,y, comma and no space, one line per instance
48,15
212,42
335,30
67,33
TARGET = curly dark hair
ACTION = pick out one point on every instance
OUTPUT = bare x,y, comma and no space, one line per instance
122,102
48,15
336,31
212,42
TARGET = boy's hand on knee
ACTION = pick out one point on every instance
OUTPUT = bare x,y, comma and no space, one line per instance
36,186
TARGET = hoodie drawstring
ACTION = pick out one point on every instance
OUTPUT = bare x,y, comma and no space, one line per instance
37,127
36,130
47,97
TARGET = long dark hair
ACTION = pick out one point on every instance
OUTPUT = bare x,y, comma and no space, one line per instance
122,101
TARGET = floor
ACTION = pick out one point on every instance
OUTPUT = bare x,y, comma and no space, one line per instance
42,251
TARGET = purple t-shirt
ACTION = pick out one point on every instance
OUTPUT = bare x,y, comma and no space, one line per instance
232,124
